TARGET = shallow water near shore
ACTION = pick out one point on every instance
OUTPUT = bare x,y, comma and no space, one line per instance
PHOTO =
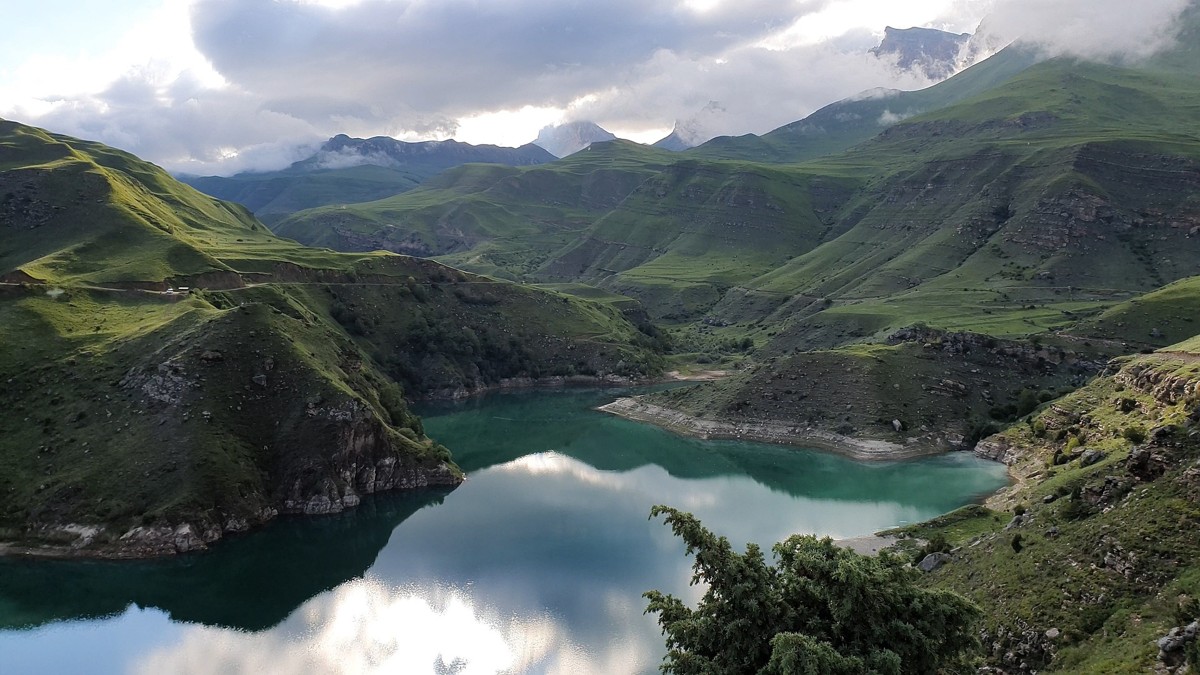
535,564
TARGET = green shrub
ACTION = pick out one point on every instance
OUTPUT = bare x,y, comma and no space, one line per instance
1039,428
1027,402
1134,434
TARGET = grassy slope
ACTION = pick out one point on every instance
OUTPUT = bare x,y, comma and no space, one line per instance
107,386
1109,559
1155,319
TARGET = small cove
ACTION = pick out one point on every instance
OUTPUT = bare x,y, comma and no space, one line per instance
535,564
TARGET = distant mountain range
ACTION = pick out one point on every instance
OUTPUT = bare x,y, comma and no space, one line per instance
351,170
346,170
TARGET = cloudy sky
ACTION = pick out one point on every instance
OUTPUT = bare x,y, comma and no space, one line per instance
217,86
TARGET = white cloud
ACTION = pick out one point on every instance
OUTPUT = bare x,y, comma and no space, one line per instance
1088,28
223,85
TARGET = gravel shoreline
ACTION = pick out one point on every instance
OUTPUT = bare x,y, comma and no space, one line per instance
767,432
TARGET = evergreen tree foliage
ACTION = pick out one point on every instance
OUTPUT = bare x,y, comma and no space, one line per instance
820,609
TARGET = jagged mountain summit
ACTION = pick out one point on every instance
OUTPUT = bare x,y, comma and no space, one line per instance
348,170
695,130
934,53
561,140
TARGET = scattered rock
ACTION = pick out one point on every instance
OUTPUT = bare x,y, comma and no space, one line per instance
898,425
1049,499
1146,464
212,356
1053,634
1172,646
260,380
1162,432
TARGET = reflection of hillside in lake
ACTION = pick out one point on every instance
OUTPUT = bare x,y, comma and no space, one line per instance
251,582
536,564
518,424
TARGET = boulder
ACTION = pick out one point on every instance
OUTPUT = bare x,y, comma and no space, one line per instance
933,561
1146,464
1172,646
1090,457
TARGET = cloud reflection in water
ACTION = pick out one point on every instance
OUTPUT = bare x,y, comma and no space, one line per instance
365,626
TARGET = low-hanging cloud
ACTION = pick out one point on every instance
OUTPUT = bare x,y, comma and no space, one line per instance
756,89
1092,29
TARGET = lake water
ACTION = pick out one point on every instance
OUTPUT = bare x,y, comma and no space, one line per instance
535,565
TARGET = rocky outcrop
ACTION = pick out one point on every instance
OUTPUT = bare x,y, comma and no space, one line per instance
364,460
1158,377
999,449
550,381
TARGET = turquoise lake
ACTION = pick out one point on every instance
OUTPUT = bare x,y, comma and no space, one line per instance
536,564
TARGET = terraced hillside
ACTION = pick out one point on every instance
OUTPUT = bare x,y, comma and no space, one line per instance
140,420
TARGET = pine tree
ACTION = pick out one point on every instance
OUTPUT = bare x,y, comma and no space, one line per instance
820,609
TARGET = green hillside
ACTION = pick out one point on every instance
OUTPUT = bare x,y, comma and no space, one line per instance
277,194
139,420
676,234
